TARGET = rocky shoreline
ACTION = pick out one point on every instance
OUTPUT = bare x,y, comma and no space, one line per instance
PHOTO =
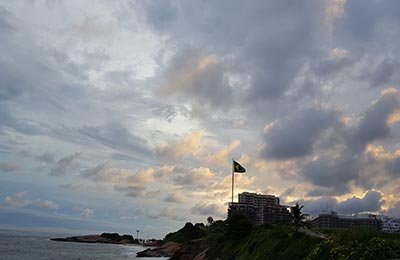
165,250
105,238
192,250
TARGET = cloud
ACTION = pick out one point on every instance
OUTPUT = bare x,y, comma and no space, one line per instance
334,155
21,200
219,157
8,167
107,172
371,201
18,200
45,158
115,135
64,164
334,174
394,210
189,145
197,77
209,209
195,178
333,10
176,197
297,135
166,212
131,191
374,124
86,213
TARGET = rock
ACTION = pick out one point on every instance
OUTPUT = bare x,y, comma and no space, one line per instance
192,250
112,236
106,238
165,250
127,237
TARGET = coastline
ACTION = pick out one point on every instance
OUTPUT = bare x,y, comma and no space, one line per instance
107,238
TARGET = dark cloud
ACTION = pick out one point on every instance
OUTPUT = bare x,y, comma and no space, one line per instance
384,73
335,174
267,43
338,150
372,201
316,206
328,66
131,191
175,197
393,167
373,125
46,158
163,14
64,164
117,136
359,31
98,173
297,135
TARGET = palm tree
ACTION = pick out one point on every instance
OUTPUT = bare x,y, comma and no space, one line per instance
298,219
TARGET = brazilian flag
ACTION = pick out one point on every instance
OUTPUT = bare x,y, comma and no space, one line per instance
237,167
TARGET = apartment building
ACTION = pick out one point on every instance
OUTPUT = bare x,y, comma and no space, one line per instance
333,220
260,208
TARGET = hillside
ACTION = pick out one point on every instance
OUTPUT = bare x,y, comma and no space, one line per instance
236,239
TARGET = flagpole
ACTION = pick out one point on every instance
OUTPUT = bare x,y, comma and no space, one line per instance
233,178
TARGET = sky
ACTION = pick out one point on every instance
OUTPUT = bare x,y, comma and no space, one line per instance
117,116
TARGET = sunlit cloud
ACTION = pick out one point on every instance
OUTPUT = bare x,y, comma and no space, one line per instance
21,200
189,145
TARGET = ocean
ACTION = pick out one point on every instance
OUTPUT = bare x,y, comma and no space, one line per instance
18,245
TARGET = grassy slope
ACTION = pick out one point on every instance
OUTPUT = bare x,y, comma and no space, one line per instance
242,242
284,243
264,243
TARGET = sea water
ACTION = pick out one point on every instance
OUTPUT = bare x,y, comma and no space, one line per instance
31,246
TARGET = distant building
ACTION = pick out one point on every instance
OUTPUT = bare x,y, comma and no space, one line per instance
333,220
390,225
260,209
276,214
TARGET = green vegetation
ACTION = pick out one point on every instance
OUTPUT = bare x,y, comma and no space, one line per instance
236,238
261,242
357,244
187,233
298,218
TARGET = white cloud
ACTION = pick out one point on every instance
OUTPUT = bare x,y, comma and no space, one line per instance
86,213
21,200
189,145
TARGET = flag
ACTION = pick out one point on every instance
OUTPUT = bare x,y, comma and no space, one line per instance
237,167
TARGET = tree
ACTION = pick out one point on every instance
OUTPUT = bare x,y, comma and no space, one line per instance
298,219
238,225
210,220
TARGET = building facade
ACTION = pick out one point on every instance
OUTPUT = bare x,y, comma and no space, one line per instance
333,220
260,208
245,209
390,225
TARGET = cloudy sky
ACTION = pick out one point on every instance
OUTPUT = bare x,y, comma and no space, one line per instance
125,115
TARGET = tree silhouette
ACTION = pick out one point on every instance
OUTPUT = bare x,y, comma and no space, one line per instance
210,220
298,219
